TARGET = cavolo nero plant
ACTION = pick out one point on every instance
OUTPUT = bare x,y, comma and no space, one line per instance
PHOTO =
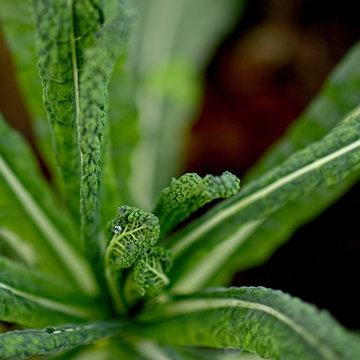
96,264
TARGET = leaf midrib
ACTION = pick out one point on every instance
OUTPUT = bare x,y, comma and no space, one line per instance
79,269
51,304
193,305
143,192
191,237
75,71
194,278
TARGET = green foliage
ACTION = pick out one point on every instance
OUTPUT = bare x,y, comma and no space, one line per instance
32,298
168,72
327,162
77,53
130,233
189,193
30,202
22,344
150,271
123,125
264,321
77,269
337,98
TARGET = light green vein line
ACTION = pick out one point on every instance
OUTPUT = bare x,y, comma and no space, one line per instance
51,304
151,351
151,107
191,306
196,277
24,250
77,266
189,239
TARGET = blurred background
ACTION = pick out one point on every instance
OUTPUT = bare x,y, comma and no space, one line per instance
262,75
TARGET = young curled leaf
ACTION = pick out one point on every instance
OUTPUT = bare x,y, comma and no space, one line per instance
130,233
189,193
150,270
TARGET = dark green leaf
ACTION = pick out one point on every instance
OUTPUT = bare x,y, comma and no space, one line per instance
19,31
267,322
32,298
339,95
189,193
130,235
197,252
29,210
78,48
20,344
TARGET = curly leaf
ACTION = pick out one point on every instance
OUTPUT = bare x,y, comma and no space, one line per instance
189,193
21,344
267,322
339,95
150,271
131,233
168,63
197,252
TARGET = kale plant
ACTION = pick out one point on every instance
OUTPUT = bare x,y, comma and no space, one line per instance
96,263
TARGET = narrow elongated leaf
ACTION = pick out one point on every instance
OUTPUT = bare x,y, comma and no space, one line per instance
78,48
150,350
197,252
339,96
17,247
267,322
109,194
31,298
21,344
19,31
30,211
123,118
93,101
172,44
111,348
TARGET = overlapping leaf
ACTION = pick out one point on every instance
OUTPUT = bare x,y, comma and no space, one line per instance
78,45
189,193
32,298
29,210
267,322
19,31
197,251
168,61
338,97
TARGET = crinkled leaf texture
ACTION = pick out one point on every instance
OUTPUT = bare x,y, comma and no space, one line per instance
21,344
78,44
339,95
189,193
267,322
198,253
